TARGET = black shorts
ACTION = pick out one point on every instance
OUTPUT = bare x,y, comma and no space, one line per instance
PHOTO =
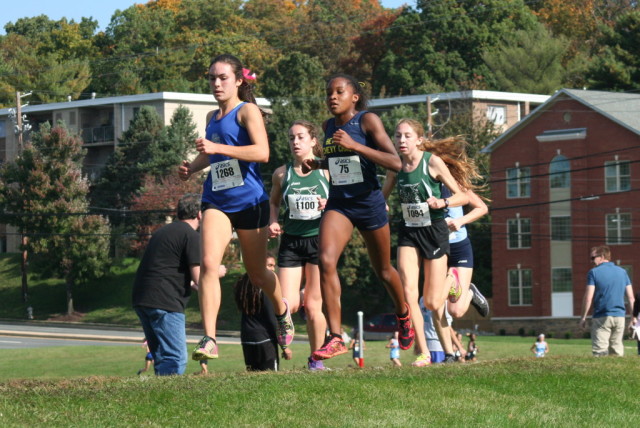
254,217
432,241
261,356
366,212
461,254
296,251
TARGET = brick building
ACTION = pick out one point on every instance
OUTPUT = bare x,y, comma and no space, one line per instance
564,179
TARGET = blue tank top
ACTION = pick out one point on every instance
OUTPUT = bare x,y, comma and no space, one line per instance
455,212
369,178
236,197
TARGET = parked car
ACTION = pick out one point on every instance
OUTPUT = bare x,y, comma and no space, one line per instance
380,327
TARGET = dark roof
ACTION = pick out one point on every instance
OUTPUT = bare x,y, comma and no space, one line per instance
620,107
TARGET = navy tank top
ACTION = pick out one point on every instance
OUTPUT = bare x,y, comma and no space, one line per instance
347,183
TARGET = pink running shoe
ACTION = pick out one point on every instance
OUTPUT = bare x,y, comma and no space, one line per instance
332,347
406,332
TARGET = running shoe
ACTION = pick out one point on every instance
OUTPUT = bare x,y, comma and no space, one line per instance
449,358
423,360
315,365
206,349
405,329
285,327
456,289
332,347
478,301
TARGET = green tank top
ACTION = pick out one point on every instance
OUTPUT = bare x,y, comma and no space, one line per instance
300,198
417,186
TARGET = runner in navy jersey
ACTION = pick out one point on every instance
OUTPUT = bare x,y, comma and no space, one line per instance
355,142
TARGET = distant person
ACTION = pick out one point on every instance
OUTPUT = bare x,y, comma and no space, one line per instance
357,350
258,325
472,348
436,352
204,368
162,286
148,358
459,352
540,348
606,288
634,325
394,350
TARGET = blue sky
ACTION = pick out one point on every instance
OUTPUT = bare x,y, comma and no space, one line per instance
100,10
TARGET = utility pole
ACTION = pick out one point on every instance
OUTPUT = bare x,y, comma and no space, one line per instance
24,239
429,119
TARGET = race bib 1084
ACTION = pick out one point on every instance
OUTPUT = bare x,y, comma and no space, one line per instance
416,215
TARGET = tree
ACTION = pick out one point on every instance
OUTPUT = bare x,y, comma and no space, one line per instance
295,87
617,67
44,194
126,167
441,45
528,61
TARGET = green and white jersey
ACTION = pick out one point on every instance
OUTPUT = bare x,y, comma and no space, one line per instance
300,197
414,188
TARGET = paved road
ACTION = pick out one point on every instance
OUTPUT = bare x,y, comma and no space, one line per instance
35,335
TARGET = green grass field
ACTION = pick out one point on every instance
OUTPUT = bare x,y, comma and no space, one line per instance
97,386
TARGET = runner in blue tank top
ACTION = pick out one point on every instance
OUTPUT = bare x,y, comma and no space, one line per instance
304,197
355,142
233,197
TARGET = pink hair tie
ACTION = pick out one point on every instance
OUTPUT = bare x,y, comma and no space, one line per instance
247,74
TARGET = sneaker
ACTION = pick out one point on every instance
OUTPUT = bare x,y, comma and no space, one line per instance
332,347
285,327
206,349
405,329
423,360
478,301
456,289
449,358
315,365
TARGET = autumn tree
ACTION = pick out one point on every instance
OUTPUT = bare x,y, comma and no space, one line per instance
44,195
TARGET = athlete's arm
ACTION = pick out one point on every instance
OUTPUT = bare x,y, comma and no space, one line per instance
439,170
478,209
389,183
187,169
274,201
385,155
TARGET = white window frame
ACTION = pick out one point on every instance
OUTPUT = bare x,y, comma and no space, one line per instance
618,220
614,183
522,180
520,287
519,222
497,114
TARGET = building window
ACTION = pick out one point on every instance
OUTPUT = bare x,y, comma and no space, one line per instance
520,287
519,233
497,114
559,173
617,176
618,228
561,228
561,280
518,182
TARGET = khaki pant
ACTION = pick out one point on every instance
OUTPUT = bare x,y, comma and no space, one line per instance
606,336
